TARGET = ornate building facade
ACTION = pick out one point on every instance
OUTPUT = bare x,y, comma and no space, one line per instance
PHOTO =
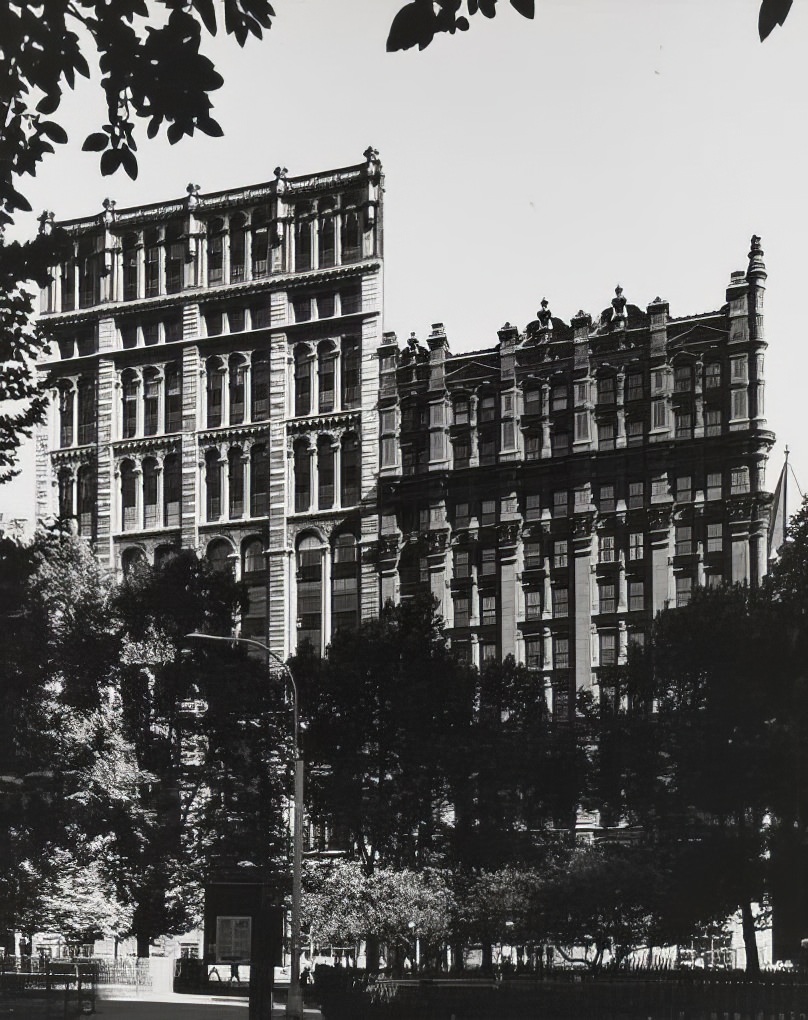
220,381
213,385
556,491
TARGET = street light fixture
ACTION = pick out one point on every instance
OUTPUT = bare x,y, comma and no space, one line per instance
294,1003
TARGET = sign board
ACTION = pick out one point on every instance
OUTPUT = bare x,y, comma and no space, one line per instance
233,938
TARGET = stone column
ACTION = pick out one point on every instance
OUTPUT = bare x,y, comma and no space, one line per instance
581,608
160,501
659,534
508,536
326,593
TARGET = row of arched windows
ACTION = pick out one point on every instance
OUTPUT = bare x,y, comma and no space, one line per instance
237,390
326,379
151,493
237,485
77,497
343,596
327,474
151,401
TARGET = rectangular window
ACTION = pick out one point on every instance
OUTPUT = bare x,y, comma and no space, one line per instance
488,610
560,553
660,418
488,562
684,425
606,502
533,605
151,403
606,548
635,431
636,495
712,422
581,392
301,308
462,564
682,376
636,596
712,375
561,652
739,482
532,554
533,655
581,426
388,446
488,409
635,545
634,386
739,405
462,611
462,515
658,378
488,512
560,503
684,489
560,603
387,421
659,487
560,444
532,445
532,506
532,399
684,586
684,540
236,318
325,305
607,434
558,397
607,646
151,334
488,651
738,369
715,538
461,412
488,449
608,598
714,487
606,390
213,323
172,329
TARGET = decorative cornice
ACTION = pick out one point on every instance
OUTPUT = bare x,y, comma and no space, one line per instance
171,443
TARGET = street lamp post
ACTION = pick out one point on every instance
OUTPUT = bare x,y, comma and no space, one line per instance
294,1003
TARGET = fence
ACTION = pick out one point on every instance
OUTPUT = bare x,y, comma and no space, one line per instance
57,989
562,996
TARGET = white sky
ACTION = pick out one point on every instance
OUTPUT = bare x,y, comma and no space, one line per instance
633,141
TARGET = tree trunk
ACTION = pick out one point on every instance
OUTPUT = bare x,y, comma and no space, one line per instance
458,960
749,939
372,954
488,958
143,944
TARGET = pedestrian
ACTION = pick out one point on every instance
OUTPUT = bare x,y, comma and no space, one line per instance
234,971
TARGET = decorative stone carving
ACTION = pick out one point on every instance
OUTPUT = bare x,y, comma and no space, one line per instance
280,179
659,518
619,306
508,534
192,201
46,219
436,543
545,316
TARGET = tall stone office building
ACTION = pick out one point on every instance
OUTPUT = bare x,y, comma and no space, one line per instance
214,384
220,381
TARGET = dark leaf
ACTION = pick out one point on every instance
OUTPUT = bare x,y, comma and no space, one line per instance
414,25
110,161
488,8
50,103
472,5
95,142
129,162
209,126
53,131
462,24
207,13
772,14
527,8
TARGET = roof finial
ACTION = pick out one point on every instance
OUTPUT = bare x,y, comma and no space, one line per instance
545,316
619,305
757,267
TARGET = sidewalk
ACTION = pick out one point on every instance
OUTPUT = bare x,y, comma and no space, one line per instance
173,1006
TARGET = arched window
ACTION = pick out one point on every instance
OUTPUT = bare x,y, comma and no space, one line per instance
238,248
325,376
325,473
215,392
349,495
172,490
253,557
89,264
351,237
327,247
173,399
66,398
86,411
235,476
215,252
237,382
302,381
350,373
129,388
218,555
133,560
151,402
87,497
68,284
151,511
213,485
310,591
128,496
65,494
260,243
259,384
259,480
302,476
175,256
130,249
302,246
345,584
